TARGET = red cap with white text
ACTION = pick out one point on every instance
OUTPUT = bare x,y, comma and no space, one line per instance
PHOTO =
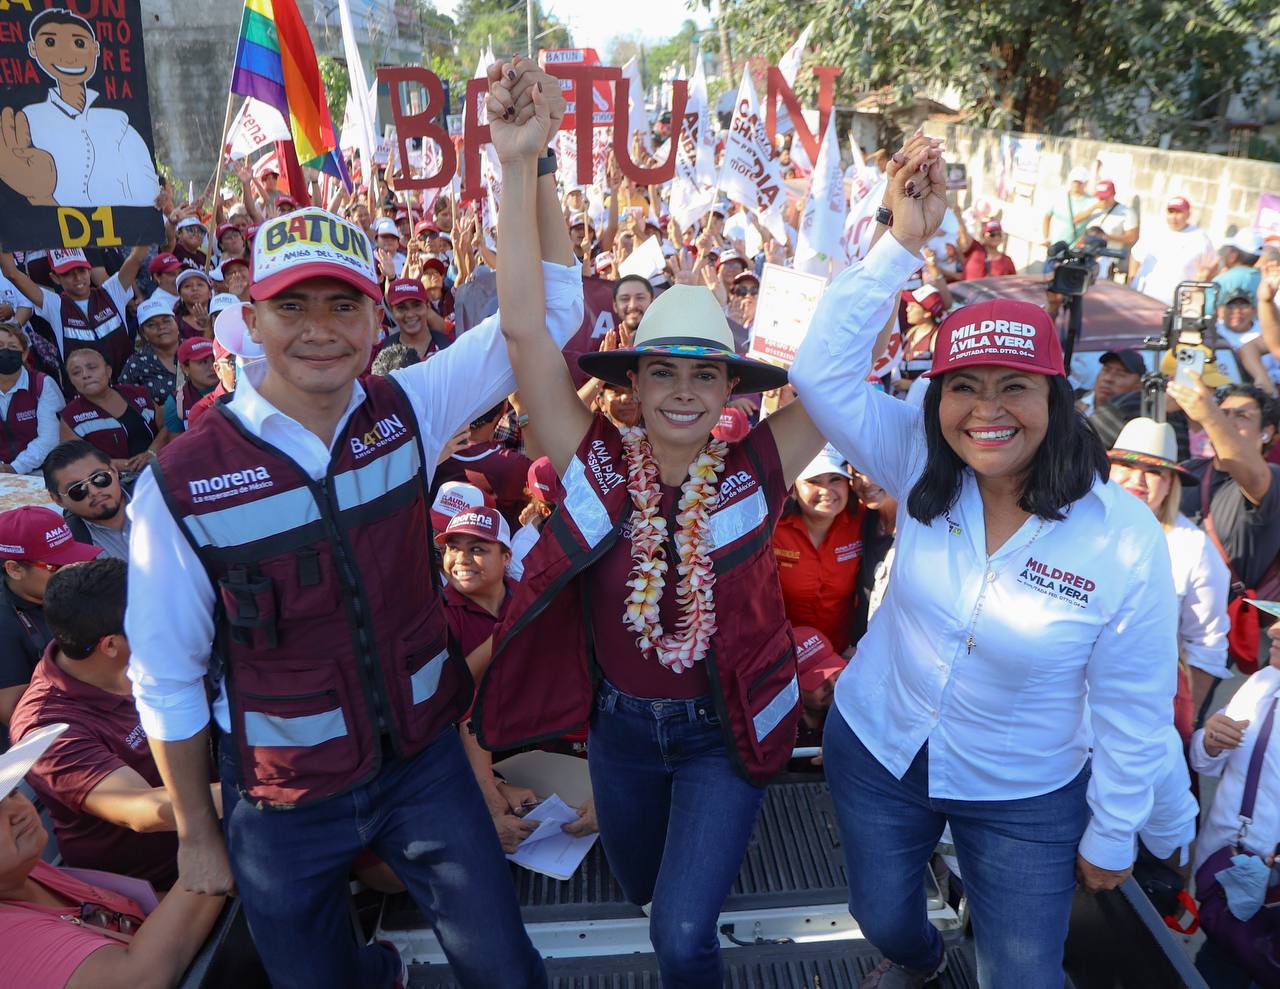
1178,203
405,289
452,498
543,483
39,535
312,243
483,523
63,261
816,660
998,333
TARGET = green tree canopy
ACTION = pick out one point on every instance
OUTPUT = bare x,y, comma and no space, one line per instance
1131,71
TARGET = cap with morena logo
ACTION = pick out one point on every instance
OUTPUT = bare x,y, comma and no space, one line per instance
482,523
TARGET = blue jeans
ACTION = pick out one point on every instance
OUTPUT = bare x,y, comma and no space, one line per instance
1017,859
426,819
674,819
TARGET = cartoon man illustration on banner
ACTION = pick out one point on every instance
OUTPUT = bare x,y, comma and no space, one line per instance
65,151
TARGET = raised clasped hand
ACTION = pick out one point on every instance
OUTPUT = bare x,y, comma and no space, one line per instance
520,122
916,191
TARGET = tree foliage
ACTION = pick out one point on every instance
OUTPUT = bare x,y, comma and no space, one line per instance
1118,70
337,85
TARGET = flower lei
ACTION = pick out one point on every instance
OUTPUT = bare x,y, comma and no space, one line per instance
678,650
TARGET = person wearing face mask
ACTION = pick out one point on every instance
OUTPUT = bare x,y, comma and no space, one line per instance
818,543
29,406
655,577
1024,582
1143,462
154,365
121,421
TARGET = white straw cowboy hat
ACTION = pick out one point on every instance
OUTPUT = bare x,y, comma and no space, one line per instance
1146,443
687,322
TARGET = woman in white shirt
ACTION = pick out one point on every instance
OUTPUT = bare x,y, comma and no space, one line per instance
1022,583
1144,463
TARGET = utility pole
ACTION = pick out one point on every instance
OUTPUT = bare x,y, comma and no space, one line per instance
726,53
528,25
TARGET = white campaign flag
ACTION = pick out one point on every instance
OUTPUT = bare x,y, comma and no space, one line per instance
490,169
822,223
861,224
693,188
705,159
638,118
365,136
789,66
256,125
750,173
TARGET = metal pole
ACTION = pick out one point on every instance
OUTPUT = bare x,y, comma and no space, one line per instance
528,26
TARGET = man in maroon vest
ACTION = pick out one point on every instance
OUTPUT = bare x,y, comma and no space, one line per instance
291,531
83,314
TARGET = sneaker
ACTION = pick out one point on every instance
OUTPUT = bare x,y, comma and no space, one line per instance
887,975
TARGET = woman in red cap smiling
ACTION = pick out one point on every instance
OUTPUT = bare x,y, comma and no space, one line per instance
1023,582
655,578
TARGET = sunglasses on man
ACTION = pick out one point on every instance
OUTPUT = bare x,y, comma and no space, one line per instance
80,490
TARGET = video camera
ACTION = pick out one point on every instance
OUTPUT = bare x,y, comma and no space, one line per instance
1075,269
1190,330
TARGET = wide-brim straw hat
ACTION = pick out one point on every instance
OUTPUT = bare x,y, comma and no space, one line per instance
685,322
1146,443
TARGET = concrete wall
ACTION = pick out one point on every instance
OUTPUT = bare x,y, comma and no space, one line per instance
1223,191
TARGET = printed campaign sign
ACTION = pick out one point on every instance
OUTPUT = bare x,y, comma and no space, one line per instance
76,167
786,304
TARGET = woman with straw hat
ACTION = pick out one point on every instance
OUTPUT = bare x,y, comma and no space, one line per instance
655,579
1144,463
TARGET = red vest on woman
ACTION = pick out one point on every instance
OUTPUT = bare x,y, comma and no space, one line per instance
20,423
533,692
95,425
331,631
103,329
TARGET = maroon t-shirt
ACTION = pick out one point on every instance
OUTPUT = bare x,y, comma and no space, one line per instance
468,621
104,735
493,468
976,263
619,658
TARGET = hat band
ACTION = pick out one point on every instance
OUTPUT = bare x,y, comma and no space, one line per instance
697,346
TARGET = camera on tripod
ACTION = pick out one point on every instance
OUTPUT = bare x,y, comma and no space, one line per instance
1190,333
1075,269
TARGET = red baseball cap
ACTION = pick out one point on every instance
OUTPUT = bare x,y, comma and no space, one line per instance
543,483
452,498
732,427
40,535
164,262
224,228
1105,189
404,289
312,243
194,349
998,333
286,202
1179,203
227,262
62,261
483,523
816,660
426,227
435,264
992,227
926,297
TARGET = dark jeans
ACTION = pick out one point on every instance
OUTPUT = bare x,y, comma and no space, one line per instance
1017,859
675,820
426,819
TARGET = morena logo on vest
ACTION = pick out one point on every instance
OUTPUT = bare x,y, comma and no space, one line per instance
383,432
230,483
734,485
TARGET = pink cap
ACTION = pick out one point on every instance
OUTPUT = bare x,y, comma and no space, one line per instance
543,483
1179,203
62,261
816,660
405,289
732,427
194,349
1105,189
998,333
40,535
483,523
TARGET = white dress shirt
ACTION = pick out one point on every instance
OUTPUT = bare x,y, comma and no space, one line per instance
48,432
169,618
1222,822
1061,610
1202,581
1174,811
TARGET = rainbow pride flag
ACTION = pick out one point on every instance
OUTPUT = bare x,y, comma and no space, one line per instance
276,62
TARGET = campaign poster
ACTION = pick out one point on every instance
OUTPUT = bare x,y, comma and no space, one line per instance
76,161
788,299
1268,216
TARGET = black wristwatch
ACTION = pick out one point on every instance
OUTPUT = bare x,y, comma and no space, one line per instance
883,215
547,163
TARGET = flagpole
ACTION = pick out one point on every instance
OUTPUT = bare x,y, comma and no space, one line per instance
217,176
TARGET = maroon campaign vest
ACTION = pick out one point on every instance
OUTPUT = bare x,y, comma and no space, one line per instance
187,400
103,329
331,630
533,693
105,431
20,425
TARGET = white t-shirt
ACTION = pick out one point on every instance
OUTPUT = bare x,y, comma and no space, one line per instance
1168,257
1114,221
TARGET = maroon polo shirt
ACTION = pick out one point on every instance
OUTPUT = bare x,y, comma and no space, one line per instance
495,469
468,621
104,735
